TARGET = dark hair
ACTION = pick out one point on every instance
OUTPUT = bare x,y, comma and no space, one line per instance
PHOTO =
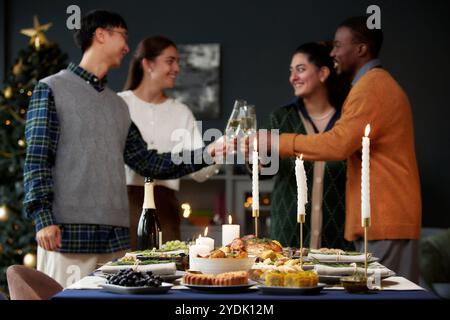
93,20
372,37
318,53
149,48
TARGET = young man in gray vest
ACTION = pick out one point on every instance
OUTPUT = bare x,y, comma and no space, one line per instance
79,136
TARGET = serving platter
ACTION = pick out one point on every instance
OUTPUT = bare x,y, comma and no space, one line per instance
163,288
292,291
221,289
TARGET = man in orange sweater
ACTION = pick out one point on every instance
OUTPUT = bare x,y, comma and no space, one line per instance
375,99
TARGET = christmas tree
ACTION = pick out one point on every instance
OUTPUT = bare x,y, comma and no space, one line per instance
40,59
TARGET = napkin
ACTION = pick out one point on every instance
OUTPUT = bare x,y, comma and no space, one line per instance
339,257
89,282
157,269
391,284
373,268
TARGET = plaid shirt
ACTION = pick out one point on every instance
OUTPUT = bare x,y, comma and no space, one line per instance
42,133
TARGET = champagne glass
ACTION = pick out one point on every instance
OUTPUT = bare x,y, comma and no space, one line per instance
247,126
248,120
233,126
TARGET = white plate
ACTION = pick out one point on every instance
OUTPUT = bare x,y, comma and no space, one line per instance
137,290
289,291
165,277
221,289
172,277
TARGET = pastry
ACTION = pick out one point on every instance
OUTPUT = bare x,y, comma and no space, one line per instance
291,279
223,279
233,250
198,279
274,279
231,278
256,247
218,254
301,279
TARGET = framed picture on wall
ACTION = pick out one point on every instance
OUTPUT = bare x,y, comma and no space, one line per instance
198,84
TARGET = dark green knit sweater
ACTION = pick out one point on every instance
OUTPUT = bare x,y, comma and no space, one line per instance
284,225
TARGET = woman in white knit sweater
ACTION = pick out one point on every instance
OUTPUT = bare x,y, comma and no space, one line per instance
165,124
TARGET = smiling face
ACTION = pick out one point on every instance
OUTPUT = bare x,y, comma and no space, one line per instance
164,68
346,52
115,45
305,77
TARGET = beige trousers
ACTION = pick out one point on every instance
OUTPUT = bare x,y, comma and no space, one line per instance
68,268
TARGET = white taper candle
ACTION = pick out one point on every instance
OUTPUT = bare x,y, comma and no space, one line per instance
255,183
365,176
302,187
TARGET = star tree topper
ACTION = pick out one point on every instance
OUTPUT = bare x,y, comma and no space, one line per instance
37,33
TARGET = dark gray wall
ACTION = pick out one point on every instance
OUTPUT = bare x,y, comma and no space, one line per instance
2,38
257,39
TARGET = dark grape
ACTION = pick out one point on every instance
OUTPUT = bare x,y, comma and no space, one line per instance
130,278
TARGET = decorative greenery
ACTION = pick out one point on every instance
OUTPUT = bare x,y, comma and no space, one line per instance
17,234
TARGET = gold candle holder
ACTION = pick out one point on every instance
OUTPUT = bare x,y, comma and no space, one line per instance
366,225
301,221
255,214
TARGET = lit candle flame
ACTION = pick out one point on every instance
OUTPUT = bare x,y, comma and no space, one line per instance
229,219
301,156
206,232
199,236
367,130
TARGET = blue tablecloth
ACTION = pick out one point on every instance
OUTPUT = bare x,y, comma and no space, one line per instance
251,295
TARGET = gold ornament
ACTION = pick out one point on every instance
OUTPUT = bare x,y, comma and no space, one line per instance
8,92
37,33
8,122
4,213
30,260
18,67
21,143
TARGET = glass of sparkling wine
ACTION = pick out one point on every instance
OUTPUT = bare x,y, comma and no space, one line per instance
234,124
248,120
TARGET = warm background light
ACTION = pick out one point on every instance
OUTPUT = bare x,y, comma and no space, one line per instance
3,213
29,260
186,210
